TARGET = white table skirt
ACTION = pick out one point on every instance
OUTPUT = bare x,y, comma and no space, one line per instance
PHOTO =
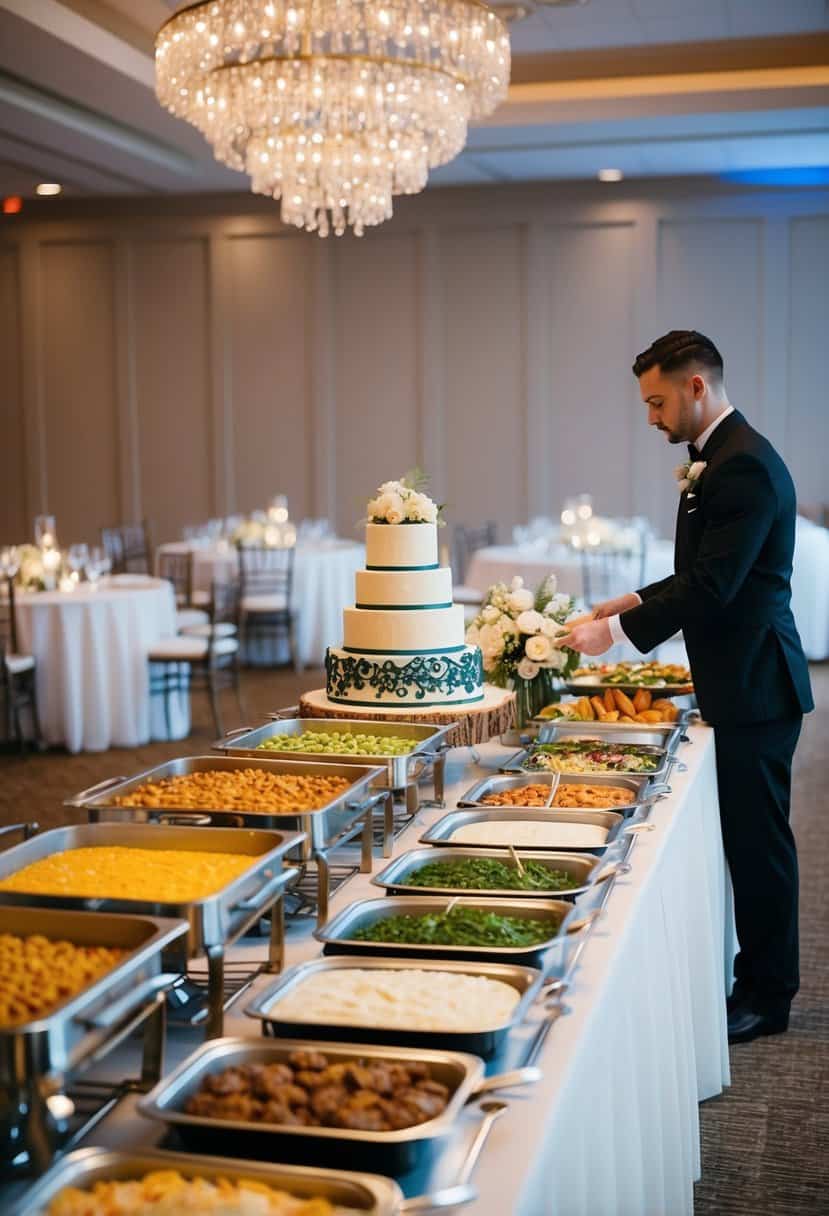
612,1127
323,586
499,563
810,587
92,672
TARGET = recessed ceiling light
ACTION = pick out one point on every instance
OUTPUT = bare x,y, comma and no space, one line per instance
610,175
49,188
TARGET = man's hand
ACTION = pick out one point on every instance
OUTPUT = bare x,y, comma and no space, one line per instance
591,638
622,603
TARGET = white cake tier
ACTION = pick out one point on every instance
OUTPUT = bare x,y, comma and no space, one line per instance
399,631
401,546
404,588
416,680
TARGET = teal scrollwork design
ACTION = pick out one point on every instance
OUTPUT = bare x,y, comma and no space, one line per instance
421,677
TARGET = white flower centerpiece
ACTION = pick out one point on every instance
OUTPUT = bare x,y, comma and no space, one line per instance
515,630
31,573
404,502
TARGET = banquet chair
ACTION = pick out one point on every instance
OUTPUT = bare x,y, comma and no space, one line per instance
210,657
266,578
128,548
177,568
18,689
465,542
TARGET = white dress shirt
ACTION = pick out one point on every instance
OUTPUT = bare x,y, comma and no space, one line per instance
616,631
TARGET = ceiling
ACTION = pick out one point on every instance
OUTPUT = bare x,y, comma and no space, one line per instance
651,87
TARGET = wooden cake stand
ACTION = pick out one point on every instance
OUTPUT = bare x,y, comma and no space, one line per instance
476,723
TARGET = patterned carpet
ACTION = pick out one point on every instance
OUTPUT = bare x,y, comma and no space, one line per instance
765,1143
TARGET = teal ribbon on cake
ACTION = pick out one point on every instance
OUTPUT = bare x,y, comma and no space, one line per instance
401,607
403,569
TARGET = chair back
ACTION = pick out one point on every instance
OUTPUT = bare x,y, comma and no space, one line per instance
465,542
8,625
266,571
608,573
177,568
128,548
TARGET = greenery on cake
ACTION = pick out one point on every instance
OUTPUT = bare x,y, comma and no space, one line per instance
404,502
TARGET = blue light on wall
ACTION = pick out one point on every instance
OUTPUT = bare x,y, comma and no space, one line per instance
802,175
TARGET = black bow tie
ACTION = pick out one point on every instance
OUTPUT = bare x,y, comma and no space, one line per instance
694,452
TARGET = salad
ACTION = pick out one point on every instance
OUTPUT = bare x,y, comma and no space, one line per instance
638,675
594,756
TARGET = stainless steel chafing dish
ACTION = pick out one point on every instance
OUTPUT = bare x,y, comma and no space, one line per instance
322,830
583,869
667,735
429,748
391,1152
522,760
442,832
363,1194
645,791
214,922
265,1006
561,918
36,1056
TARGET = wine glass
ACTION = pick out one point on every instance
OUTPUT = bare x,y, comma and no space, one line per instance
97,563
76,559
45,532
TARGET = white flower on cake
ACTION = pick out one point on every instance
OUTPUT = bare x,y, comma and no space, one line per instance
538,648
528,670
403,501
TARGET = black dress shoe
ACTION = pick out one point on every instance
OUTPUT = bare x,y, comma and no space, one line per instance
745,1024
738,999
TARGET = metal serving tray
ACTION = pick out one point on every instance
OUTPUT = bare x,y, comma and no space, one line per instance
392,1152
520,761
35,1054
362,1194
525,980
441,833
667,735
428,745
585,869
588,686
213,922
644,790
560,914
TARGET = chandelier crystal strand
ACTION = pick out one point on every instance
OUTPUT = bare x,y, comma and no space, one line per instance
333,106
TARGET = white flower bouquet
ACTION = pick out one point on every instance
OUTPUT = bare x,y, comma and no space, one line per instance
403,502
515,630
31,575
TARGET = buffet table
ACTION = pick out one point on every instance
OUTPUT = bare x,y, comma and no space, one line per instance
612,1126
323,585
93,678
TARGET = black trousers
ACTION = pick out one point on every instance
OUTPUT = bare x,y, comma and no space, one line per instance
754,773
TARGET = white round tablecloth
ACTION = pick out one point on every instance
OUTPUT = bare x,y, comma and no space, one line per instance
500,563
93,678
323,586
810,587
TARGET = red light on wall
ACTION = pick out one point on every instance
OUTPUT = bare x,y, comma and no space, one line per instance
12,203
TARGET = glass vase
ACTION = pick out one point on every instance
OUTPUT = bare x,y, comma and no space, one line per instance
532,695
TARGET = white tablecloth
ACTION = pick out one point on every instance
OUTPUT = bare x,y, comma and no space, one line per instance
612,1127
499,563
810,587
91,649
323,586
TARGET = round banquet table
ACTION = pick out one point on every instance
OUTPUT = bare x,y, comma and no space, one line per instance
323,586
93,678
500,563
612,1126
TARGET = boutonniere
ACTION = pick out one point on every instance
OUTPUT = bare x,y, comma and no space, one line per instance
688,474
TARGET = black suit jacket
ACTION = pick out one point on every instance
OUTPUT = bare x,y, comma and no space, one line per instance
731,589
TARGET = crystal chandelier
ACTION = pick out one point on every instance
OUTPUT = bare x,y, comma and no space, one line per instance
333,106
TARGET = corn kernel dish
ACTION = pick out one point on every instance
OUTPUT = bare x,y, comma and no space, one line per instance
168,1193
116,872
237,789
37,974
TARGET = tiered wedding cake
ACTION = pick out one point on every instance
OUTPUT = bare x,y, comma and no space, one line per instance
403,641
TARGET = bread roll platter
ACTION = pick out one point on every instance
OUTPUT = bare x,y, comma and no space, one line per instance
60,860
55,1025
327,804
426,750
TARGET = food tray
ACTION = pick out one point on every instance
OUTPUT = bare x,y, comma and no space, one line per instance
337,935
666,736
440,833
525,980
640,785
590,686
365,1194
584,869
428,746
81,1027
391,1152
213,922
521,760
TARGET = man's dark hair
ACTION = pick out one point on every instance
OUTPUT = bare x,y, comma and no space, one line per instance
680,348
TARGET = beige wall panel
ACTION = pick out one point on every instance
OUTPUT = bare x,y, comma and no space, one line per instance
268,365
807,422
14,525
593,420
375,320
172,393
484,381
79,395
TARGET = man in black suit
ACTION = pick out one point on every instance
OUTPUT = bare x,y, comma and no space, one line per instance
730,596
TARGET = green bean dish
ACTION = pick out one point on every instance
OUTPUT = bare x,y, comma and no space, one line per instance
460,927
488,874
